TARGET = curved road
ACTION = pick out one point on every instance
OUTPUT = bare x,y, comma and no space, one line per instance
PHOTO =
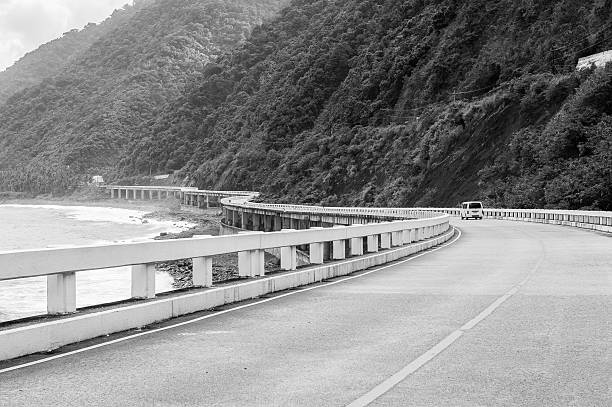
511,314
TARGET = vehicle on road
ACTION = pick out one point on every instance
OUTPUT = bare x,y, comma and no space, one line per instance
471,209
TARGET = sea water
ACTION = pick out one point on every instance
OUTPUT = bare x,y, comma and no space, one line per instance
46,226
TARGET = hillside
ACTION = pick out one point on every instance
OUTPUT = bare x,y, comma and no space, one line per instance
369,102
51,58
79,120
402,103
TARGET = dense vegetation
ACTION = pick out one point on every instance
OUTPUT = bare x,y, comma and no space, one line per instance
402,103
380,102
83,116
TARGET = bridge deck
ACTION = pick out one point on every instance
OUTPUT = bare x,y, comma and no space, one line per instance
549,343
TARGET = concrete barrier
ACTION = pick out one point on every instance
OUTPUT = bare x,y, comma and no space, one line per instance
50,335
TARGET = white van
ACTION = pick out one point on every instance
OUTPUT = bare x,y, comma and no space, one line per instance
472,209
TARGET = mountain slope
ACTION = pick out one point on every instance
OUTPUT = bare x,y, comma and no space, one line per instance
51,58
400,103
83,116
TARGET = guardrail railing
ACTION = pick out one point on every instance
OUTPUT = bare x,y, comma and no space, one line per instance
60,265
593,220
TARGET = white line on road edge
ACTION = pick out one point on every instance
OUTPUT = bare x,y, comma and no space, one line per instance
422,360
191,321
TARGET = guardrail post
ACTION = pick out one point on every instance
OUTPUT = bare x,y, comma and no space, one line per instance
61,293
356,246
385,240
202,272
245,264
258,263
396,238
289,258
406,236
372,244
143,281
317,251
339,250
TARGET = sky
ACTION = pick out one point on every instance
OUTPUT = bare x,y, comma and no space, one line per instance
27,24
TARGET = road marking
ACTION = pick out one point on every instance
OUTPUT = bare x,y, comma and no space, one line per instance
422,360
191,321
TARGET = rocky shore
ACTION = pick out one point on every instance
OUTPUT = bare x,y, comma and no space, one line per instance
207,222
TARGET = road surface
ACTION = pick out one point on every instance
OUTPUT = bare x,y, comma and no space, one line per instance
512,313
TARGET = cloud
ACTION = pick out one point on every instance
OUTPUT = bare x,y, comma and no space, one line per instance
27,24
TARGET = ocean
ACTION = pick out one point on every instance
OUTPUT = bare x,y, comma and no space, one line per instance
45,226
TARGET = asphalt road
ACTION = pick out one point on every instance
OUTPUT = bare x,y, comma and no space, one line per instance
544,338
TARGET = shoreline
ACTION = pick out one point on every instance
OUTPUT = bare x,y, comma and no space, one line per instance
204,221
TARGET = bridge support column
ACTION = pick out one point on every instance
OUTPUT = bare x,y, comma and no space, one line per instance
143,281
278,223
289,258
159,195
207,202
202,272
256,222
385,240
295,223
267,223
372,244
356,246
61,293
244,220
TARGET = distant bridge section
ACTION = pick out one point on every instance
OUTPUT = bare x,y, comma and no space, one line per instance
188,196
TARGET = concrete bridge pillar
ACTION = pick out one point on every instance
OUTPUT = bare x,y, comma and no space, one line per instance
256,222
278,223
267,223
244,220
207,202
295,223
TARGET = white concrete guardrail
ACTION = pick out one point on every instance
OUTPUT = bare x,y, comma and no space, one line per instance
348,249
593,220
